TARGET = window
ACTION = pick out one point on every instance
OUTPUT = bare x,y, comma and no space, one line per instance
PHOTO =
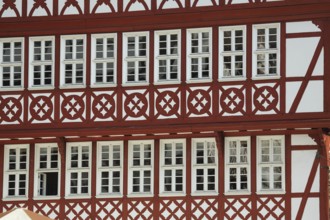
266,49
205,166
172,166
167,49
110,168
16,171
78,168
232,51
47,170
11,61
199,53
237,159
135,53
271,163
103,59
41,62
140,167
73,60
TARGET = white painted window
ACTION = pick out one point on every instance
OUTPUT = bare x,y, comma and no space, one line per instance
78,168
167,56
103,59
16,167
141,167
232,51
266,47
73,50
237,164
271,163
199,52
41,55
172,166
47,170
204,166
136,55
110,168
11,62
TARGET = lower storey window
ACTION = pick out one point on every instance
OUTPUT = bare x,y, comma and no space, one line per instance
205,179
110,181
17,185
79,183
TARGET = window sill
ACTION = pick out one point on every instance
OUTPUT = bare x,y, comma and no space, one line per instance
172,194
271,192
190,81
137,195
72,86
109,195
167,82
103,85
205,193
128,84
78,196
15,198
238,192
11,89
263,77
232,78
41,88
46,197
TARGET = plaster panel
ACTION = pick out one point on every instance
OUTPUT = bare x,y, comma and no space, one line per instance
312,100
142,5
301,27
302,162
291,93
301,139
166,4
199,3
105,7
298,57
238,1
35,9
319,67
70,9
311,211
16,12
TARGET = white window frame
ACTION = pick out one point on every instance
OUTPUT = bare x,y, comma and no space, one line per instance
135,58
104,60
266,51
42,63
16,172
238,165
204,166
167,57
48,169
109,168
199,55
78,169
173,167
74,61
271,165
141,168
11,64
233,53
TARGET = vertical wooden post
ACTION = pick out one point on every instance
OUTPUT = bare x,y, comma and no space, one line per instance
288,175
221,174
254,172
188,178
31,177
156,180
93,181
125,179
62,150
2,170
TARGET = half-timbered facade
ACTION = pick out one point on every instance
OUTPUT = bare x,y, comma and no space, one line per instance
165,109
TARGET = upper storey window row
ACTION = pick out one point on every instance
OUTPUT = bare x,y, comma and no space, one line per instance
136,50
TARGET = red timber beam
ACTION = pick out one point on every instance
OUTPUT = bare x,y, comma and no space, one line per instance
129,130
219,138
61,142
189,17
320,161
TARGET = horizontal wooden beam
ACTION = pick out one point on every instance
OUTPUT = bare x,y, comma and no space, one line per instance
166,19
147,129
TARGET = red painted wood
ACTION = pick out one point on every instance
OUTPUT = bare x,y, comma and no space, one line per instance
288,176
308,188
253,181
125,181
2,155
188,177
30,192
157,162
93,186
309,72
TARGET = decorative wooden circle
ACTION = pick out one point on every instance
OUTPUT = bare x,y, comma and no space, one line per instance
199,102
167,103
232,100
73,107
103,106
265,98
136,105
10,109
41,108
